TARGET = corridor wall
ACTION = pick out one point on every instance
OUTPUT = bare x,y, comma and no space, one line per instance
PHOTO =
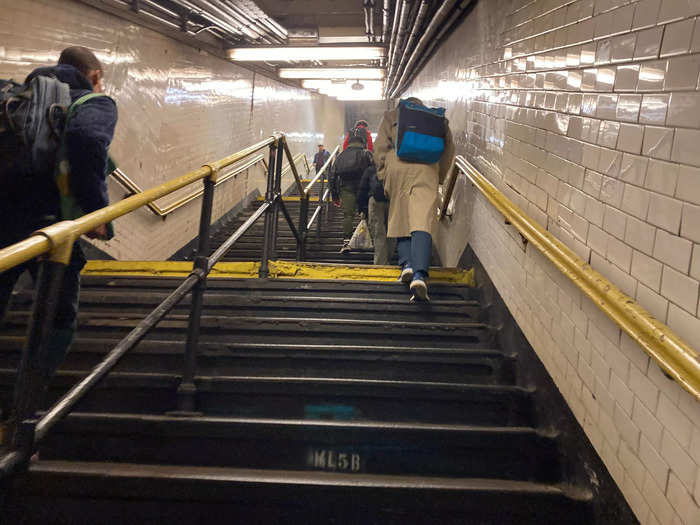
179,107
587,115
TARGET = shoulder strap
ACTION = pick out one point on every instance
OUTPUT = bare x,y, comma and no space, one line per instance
75,105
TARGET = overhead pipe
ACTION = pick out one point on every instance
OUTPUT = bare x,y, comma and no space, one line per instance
385,20
250,11
368,7
400,35
429,33
436,41
392,39
254,23
201,8
412,39
246,26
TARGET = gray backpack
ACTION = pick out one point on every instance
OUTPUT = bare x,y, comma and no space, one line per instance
32,118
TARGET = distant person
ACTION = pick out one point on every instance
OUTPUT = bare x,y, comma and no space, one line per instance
344,181
320,158
414,153
372,201
71,186
360,128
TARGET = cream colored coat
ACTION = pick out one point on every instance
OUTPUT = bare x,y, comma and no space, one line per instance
412,188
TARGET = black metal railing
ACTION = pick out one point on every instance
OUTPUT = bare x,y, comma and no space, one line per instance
26,429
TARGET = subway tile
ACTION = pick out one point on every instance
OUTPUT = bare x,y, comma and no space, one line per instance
594,211
673,250
653,109
695,265
619,254
609,131
627,77
680,498
645,13
690,223
684,110
610,161
684,324
658,142
659,506
588,52
654,303
695,44
633,169
672,10
629,432
622,394
628,107
630,138
635,201
641,236
590,129
673,453
680,289
614,221
647,270
648,43
688,184
652,75
648,394
590,105
656,465
685,146
605,79
677,38
665,212
623,47
603,53
682,73
662,177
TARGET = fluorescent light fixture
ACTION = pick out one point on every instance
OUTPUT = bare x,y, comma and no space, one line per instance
327,72
342,84
286,54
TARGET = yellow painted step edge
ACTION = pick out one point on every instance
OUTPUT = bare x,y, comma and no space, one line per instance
278,270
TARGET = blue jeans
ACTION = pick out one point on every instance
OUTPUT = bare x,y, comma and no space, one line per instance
414,252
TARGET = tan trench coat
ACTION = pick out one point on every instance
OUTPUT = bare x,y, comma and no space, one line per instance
412,189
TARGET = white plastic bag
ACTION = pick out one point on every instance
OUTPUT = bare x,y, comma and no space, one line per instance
361,239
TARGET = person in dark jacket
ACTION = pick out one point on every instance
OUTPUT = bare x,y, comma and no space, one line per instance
344,180
320,158
361,124
372,202
35,205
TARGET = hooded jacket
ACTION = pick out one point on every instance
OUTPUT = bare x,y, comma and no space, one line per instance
87,139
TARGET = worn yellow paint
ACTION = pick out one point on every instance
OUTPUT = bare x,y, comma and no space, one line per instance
278,270
291,198
228,270
306,181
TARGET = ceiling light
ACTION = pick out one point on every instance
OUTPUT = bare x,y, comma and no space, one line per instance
321,72
285,54
320,83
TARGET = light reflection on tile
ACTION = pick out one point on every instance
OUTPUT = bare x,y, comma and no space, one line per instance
652,75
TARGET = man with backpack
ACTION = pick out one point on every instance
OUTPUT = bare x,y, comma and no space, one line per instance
344,181
372,201
413,155
360,129
73,128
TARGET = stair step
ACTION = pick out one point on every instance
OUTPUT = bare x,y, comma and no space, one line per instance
292,397
354,446
109,493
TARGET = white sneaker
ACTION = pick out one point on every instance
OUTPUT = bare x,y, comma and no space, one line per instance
346,246
406,275
420,289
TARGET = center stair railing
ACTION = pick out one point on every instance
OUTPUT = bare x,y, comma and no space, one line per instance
54,245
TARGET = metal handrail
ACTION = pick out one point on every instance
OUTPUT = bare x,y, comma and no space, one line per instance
668,350
322,171
57,240
127,183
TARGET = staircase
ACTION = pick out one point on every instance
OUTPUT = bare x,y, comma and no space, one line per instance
320,401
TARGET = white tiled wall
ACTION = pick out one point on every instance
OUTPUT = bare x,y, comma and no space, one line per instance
178,108
587,115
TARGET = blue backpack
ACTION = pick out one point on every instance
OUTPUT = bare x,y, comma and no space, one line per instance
421,133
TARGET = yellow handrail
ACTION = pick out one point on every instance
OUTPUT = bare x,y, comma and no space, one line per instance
669,351
131,186
56,238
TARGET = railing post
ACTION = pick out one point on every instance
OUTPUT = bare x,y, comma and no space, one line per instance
303,220
187,391
269,213
34,370
278,195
